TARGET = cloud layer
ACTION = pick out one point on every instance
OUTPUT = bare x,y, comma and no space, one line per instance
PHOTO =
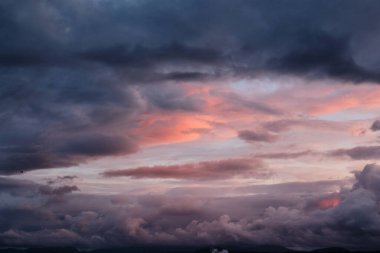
348,218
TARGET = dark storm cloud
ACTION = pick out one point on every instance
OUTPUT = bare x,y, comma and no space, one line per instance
68,153
74,69
97,145
358,153
144,57
57,117
210,170
321,54
254,136
316,39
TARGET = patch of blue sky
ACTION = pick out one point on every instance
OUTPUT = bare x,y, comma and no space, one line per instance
265,85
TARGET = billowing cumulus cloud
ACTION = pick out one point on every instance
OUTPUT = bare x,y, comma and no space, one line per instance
210,170
346,218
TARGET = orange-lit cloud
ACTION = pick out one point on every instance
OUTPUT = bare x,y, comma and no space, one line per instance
329,202
163,129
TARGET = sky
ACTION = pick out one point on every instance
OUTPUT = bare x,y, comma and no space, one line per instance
190,122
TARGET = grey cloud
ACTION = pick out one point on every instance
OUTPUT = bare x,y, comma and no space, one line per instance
210,170
27,188
369,178
287,124
248,104
255,136
169,98
358,153
286,155
59,190
375,125
17,187
61,179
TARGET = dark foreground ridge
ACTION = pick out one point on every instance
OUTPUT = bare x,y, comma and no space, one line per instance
181,249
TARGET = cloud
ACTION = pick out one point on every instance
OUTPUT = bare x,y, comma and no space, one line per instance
358,153
327,45
210,170
320,53
369,178
284,216
254,136
349,218
329,202
375,125
59,190
285,155
287,124
67,152
144,56
27,188
61,116
17,187
72,77
173,98
98,145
